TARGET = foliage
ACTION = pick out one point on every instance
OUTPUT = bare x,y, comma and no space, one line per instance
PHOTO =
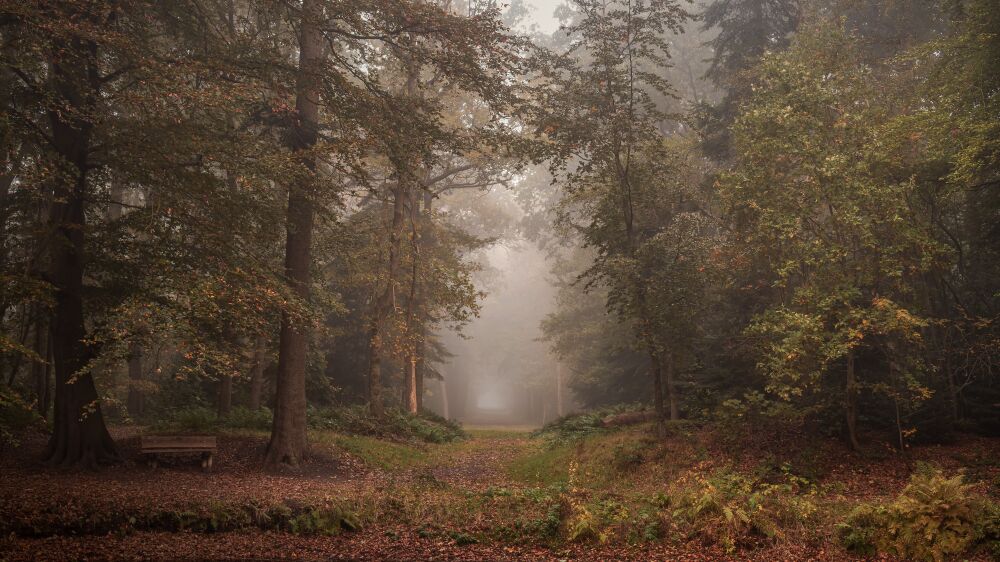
15,417
579,425
396,424
733,510
200,419
934,518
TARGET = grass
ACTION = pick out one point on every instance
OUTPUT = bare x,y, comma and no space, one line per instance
377,453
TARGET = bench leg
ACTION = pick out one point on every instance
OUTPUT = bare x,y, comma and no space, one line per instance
206,461
152,461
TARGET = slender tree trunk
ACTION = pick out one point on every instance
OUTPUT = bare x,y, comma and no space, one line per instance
257,375
657,368
79,434
411,402
22,341
136,398
225,405
893,378
425,243
668,368
40,369
288,433
852,404
412,306
444,399
559,390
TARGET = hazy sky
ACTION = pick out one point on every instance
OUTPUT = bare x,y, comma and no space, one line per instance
541,14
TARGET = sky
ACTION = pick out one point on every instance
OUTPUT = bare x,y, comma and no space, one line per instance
541,14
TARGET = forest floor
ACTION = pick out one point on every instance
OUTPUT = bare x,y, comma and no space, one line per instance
498,495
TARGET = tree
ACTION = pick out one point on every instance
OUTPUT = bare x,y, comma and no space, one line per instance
811,193
602,118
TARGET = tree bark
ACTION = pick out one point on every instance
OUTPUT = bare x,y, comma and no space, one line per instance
288,433
401,193
668,364
559,390
225,405
425,243
411,402
257,375
41,370
852,404
445,413
136,399
79,434
413,331
657,368
385,302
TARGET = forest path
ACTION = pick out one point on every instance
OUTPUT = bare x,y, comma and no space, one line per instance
482,460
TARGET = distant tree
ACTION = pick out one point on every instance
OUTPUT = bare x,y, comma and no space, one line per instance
603,123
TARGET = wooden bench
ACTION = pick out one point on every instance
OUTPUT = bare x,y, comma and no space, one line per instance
153,445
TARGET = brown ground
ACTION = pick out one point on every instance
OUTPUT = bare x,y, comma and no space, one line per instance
30,489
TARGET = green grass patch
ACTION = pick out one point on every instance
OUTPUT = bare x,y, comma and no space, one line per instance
376,452
543,465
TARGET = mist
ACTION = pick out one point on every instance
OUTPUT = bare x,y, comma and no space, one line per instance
501,373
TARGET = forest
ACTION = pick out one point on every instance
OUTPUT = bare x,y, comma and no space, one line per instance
480,280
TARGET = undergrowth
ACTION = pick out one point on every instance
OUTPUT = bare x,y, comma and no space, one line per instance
426,427
936,517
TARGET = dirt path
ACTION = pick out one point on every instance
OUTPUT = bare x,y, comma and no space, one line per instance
482,461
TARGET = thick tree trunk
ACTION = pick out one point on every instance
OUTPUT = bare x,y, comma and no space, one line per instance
852,403
257,374
136,398
385,303
79,434
402,193
288,434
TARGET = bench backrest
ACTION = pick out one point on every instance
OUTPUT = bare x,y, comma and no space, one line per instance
177,442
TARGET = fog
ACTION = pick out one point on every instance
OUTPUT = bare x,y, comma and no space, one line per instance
501,373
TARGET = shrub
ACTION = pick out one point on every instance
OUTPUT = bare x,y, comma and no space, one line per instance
200,419
16,415
397,424
731,510
935,517
572,427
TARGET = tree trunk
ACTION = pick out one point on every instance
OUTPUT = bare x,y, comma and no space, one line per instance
41,368
411,402
425,242
852,404
444,400
401,193
79,434
559,390
225,405
668,364
136,399
257,375
288,433
385,303
412,305
654,362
